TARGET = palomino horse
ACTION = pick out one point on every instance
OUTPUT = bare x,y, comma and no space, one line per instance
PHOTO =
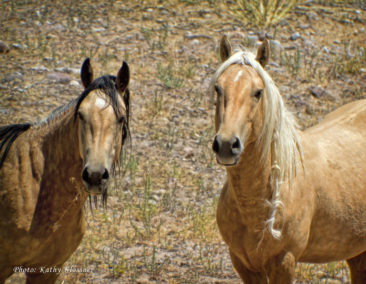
44,168
289,195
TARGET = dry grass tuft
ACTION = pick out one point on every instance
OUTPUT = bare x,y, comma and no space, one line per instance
261,13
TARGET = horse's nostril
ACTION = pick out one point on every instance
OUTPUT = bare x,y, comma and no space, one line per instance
236,143
216,145
105,174
85,174
236,146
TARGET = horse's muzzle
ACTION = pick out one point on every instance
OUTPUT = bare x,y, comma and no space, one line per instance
95,179
227,150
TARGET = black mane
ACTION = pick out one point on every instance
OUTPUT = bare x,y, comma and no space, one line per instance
8,134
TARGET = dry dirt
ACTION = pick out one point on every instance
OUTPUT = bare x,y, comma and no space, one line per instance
159,226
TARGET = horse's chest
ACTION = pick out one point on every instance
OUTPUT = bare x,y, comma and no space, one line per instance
245,233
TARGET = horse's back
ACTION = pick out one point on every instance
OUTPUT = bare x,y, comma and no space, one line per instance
352,115
335,162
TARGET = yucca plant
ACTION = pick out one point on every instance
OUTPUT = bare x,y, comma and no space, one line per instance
261,13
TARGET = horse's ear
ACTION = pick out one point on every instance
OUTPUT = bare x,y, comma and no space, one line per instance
86,73
263,53
225,48
123,77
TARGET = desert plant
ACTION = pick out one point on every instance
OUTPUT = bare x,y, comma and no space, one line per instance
261,13
167,75
291,61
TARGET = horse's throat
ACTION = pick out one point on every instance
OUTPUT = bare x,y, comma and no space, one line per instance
248,185
61,192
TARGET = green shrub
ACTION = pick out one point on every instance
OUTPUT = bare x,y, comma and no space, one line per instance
261,13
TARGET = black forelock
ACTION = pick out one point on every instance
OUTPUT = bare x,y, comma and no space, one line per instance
107,85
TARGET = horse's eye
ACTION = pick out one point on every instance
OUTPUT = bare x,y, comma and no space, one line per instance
80,115
258,94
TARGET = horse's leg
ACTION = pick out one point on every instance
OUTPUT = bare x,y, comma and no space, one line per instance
281,269
40,278
246,275
357,266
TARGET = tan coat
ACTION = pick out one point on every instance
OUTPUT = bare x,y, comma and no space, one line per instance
269,218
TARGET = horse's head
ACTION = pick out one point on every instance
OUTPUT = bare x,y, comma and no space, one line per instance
102,113
239,90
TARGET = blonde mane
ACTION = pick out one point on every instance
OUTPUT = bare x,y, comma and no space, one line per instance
278,138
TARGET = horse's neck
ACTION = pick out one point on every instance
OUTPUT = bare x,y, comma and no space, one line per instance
60,147
61,192
248,184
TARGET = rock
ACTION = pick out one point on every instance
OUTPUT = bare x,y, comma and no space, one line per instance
309,43
262,35
291,47
312,16
316,91
304,26
298,101
58,27
39,69
252,40
4,111
74,83
195,42
61,78
283,23
11,77
67,70
164,13
308,2
294,36
276,47
189,35
3,47
325,50
98,30
19,46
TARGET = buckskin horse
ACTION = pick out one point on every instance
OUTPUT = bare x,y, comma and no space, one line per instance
49,168
290,196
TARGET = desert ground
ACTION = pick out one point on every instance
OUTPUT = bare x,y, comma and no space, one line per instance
159,225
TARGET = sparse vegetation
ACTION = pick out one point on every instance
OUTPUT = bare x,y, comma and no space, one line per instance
159,225
261,13
168,76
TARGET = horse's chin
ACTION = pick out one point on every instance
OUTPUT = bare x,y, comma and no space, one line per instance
95,190
227,162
